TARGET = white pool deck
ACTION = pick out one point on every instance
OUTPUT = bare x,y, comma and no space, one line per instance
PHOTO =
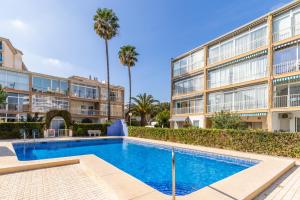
89,177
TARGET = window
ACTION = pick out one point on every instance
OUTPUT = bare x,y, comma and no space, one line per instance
243,71
1,57
281,28
1,47
247,41
189,63
258,38
241,99
42,103
82,91
286,60
193,105
46,85
241,44
14,80
188,85
196,123
286,24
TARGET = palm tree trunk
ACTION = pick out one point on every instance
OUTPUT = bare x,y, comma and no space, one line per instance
129,75
108,82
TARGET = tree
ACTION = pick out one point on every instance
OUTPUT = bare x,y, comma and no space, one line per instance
143,105
227,120
106,25
162,118
3,95
128,57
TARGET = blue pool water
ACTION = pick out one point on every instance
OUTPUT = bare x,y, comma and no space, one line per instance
147,162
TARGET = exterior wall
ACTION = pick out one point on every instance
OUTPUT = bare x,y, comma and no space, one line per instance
233,50
8,56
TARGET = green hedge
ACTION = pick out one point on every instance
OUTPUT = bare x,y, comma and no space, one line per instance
279,144
81,129
11,130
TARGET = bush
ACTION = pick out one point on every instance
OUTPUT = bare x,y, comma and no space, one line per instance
278,144
227,120
11,130
81,129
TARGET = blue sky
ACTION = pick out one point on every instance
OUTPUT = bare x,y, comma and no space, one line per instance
57,36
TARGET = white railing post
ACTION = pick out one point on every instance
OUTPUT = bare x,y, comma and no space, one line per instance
173,175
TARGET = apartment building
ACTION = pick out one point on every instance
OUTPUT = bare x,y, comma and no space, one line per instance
253,71
30,92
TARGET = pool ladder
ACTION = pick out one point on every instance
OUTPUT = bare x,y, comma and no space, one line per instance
173,175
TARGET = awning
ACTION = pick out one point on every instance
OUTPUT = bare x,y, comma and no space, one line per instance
286,44
286,79
178,119
253,114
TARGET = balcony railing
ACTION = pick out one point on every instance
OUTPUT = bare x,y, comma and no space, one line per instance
285,67
187,90
237,50
237,106
85,111
285,101
14,108
188,110
286,32
113,113
188,68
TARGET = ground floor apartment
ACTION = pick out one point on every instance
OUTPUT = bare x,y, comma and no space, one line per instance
282,121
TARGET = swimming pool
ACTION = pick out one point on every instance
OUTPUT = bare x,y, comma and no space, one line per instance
150,163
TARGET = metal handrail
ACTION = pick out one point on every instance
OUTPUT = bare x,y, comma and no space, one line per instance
173,175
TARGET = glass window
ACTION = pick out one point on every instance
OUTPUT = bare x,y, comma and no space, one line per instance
242,44
1,57
55,86
285,55
64,87
14,80
41,103
281,28
258,38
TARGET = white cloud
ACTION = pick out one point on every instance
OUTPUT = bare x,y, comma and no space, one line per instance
51,66
18,24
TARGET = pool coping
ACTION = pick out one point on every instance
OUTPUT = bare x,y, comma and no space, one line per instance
243,185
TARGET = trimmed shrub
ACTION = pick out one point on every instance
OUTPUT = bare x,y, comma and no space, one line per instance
11,130
81,129
277,144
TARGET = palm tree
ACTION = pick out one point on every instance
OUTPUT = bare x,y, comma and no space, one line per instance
143,105
3,95
128,57
106,26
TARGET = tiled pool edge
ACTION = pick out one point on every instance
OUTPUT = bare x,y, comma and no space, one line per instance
142,191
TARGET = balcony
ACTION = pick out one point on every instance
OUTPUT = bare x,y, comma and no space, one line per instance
14,108
112,113
285,67
188,110
184,91
189,68
238,49
286,32
237,106
284,101
85,112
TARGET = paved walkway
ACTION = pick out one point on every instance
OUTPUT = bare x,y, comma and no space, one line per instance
57,183
285,188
